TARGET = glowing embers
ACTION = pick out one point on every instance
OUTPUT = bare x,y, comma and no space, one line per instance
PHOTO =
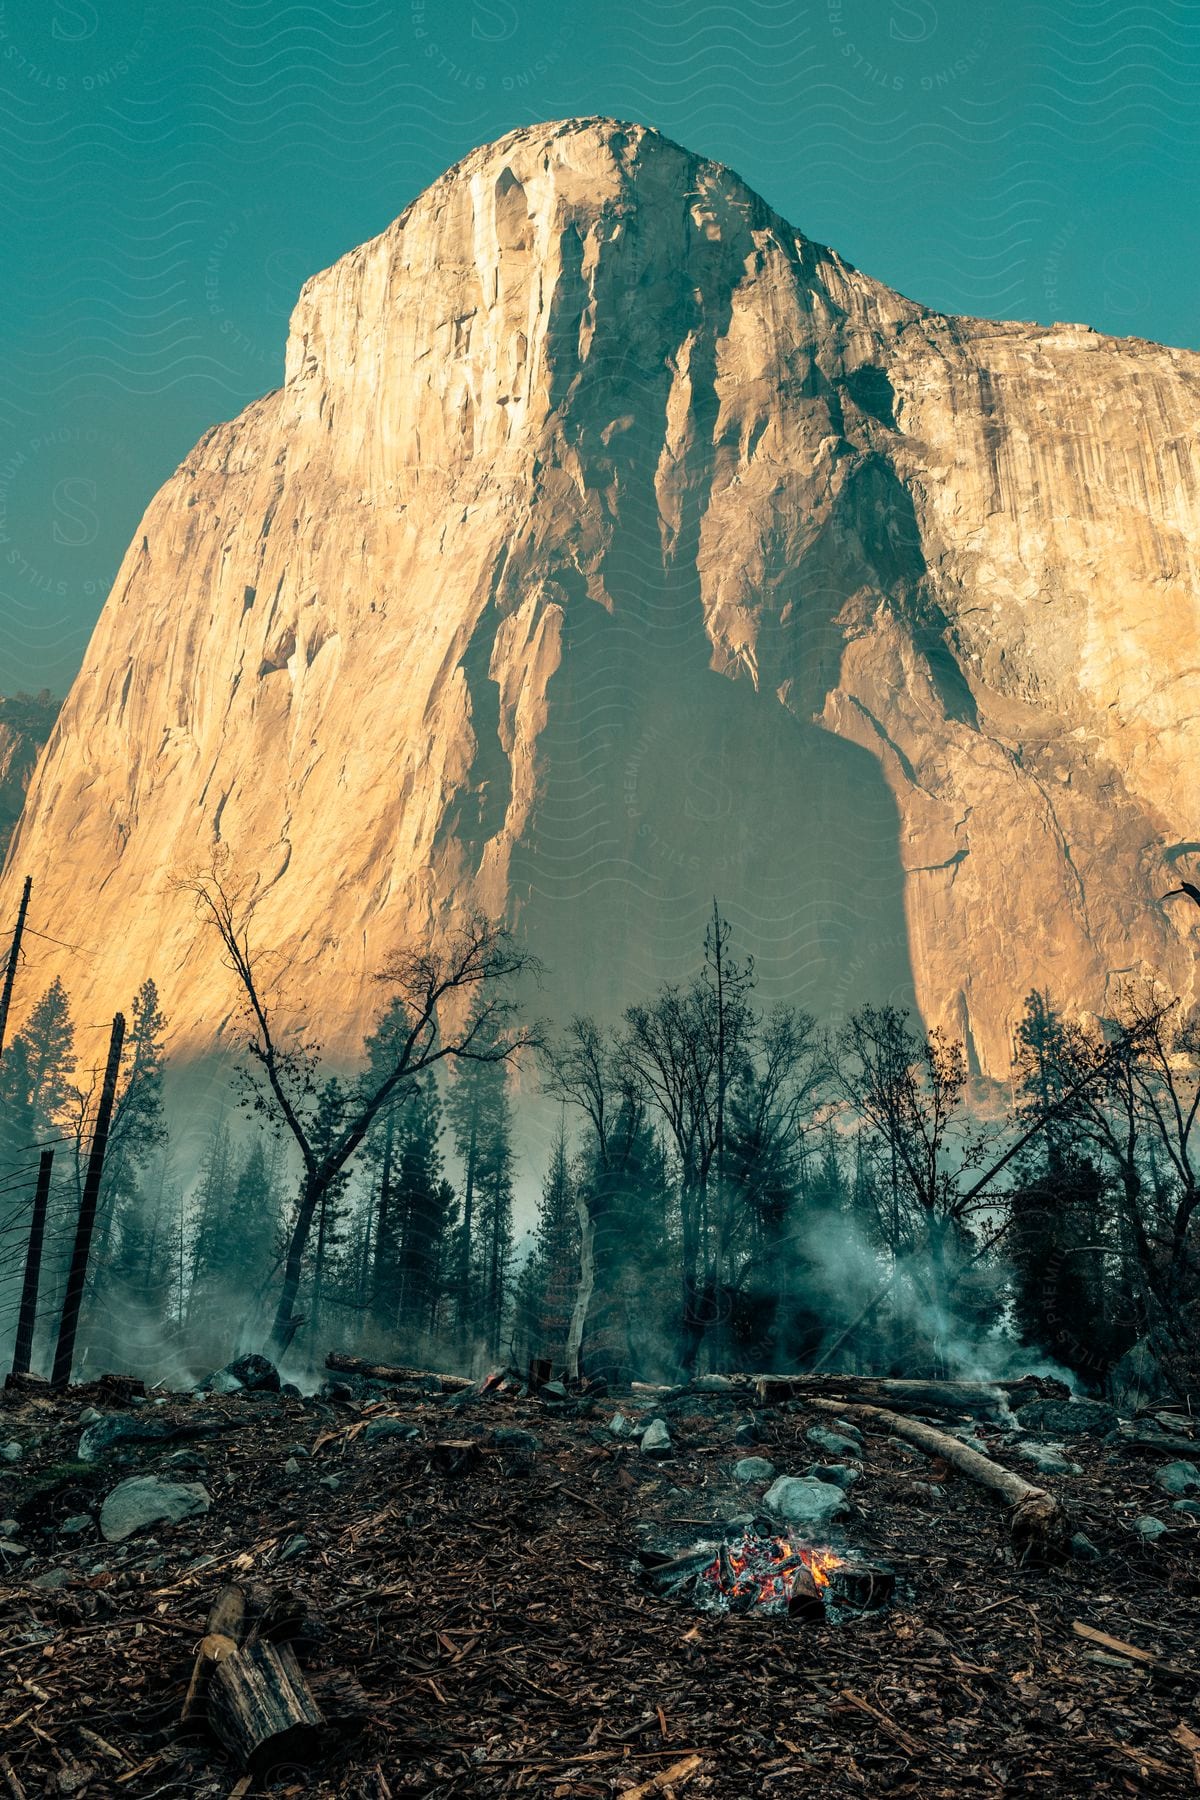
753,1570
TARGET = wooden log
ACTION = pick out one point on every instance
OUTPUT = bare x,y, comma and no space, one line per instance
980,1399
804,1597
262,1709
222,1635
339,1363
1036,1519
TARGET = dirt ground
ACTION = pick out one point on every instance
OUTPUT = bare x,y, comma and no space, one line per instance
488,1604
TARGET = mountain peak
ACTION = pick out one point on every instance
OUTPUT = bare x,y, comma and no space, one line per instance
611,545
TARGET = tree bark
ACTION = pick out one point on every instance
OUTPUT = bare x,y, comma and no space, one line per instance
260,1707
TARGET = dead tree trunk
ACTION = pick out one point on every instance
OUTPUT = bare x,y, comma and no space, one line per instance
27,1319
1037,1520
77,1278
14,955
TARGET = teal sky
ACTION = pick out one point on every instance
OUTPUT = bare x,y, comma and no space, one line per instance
176,168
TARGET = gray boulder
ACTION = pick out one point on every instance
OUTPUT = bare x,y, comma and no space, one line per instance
1150,1528
838,1475
753,1468
221,1382
656,1440
1178,1478
1069,1418
1048,1459
145,1500
619,1426
257,1374
511,1437
834,1443
52,1578
802,1501
127,1428
379,1430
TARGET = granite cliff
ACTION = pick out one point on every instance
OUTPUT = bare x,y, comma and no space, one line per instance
608,545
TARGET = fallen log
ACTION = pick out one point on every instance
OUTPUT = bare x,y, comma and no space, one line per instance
1037,1520
262,1709
339,1363
978,1398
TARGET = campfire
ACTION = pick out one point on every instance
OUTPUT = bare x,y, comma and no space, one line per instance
757,1571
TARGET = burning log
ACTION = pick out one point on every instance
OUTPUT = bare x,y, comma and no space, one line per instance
1038,1522
341,1364
804,1600
262,1709
981,1399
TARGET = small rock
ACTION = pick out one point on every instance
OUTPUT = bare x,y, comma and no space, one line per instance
1048,1459
12,1451
1083,1549
1191,1508
145,1500
52,1578
10,1547
656,1439
1178,1478
332,1482
1150,1528
75,1524
803,1501
553,1390
89,1416
380,1429
291,1466
619,1426
297,1450
8,1528
753,1468
834,1442
747,1434
291,1390
295,1546
838,1475
508,1437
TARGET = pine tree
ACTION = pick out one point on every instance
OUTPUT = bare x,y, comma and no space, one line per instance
478,1110
545,1290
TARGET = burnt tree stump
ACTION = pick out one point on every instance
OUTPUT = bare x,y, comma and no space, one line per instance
262,1709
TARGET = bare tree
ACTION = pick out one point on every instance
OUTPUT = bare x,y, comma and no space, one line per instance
479,962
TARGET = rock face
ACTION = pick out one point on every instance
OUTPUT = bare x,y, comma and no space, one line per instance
610,544
26,721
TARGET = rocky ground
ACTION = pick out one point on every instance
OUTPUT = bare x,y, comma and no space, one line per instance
458,1577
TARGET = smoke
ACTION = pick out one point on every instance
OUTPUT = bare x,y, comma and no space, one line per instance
964,1335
